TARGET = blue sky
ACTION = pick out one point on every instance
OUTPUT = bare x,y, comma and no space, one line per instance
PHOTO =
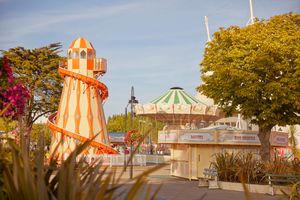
150,44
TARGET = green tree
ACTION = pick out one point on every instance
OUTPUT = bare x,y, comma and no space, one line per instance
116,124
37,69
7,125
37,130
256,69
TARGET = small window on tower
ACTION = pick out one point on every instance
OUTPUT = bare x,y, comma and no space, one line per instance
75,54
90,55
70,55
82,54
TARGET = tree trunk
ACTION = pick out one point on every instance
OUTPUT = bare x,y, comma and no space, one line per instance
264,138
28,134
24,134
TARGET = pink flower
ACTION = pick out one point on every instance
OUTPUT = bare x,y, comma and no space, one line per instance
12,93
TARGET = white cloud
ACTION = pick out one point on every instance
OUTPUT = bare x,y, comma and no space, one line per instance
13,27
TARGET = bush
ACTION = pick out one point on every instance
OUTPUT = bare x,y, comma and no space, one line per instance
226,165
247,168
25,177
279,166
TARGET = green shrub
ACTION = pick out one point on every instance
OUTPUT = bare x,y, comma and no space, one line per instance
279,166
226,164
247,168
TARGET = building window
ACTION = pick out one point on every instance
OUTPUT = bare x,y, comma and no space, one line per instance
70,55
75,54
82,54
90,55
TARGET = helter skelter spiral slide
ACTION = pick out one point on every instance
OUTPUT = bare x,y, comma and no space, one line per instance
80,114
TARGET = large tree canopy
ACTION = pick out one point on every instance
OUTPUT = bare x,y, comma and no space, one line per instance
256,69
37,69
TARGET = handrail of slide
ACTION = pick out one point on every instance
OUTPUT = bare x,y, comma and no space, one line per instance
88,80
103,148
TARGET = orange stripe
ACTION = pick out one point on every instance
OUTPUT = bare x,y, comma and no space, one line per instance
66,113
90,64
105,136
82,43
72,45
75,61
77,111
89,113
99,118
102,119
90,51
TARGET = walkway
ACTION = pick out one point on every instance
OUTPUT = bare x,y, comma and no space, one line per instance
181,189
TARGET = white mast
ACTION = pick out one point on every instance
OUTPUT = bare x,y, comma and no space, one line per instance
239,119
207,28
238,122
251,20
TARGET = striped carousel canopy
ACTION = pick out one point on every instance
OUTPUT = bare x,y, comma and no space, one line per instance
177,107
176,95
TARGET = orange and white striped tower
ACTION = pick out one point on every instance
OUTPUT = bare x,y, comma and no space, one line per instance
80,115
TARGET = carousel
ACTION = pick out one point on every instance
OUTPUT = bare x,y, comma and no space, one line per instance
191,131
179,110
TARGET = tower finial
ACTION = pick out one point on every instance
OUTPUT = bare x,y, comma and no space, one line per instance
207,28
251,20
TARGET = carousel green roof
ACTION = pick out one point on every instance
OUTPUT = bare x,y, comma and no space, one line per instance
176,95
177,107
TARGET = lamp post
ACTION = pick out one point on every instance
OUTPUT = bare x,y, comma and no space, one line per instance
125,132
132,102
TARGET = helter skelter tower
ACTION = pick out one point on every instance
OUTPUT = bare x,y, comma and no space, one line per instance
80,115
